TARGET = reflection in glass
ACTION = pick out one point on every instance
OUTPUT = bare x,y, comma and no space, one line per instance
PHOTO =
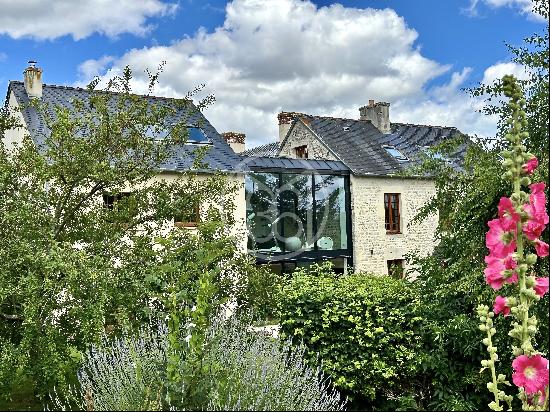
283,217
330,206
296,206
262,211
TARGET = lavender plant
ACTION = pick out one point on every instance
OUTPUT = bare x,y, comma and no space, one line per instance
254,371
126,373
239,370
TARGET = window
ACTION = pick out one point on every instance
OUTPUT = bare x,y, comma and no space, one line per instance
330,212
121,207
293,212
188,219
392,212
395,268
196,135
301,152
433,154
396,154
110,200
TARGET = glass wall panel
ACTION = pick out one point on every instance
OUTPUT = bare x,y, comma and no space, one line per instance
330,206
296,207
262,211
284,215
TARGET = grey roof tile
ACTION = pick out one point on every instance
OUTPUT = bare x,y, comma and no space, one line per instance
220,156
360,145
266,150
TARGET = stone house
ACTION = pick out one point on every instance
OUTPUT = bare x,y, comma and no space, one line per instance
328,189
377,201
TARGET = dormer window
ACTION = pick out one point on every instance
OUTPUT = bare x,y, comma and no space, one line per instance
301,152
396,154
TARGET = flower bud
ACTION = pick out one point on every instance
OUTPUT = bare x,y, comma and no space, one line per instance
530,281
485,341
517,351
525,181
484,363
531,259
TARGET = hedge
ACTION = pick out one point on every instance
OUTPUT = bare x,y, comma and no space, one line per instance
365,329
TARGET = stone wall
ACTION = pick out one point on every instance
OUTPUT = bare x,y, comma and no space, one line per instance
14,137
300,135
372,247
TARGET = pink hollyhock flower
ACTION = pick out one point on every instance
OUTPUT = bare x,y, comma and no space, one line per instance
536,208
541,248
507,213
531,165
530,373
494,272
500,306
533,229
498,240
541,286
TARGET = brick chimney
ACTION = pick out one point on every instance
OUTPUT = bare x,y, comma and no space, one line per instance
378,114
33,80
235,140
285,120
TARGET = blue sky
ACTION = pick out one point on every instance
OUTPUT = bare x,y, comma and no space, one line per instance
259,57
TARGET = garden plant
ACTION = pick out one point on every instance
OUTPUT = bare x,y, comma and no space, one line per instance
514,246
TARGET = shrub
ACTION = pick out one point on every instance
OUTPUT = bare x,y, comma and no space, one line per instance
257,372
364,329
240,370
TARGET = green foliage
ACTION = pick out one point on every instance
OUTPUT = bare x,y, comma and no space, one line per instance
451,283
72,269
365,330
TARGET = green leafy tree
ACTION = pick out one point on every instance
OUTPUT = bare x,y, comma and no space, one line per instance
72,268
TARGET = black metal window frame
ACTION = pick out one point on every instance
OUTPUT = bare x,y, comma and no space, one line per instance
315,254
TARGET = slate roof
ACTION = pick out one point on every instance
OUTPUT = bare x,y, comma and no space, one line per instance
359,144
220,156
265,150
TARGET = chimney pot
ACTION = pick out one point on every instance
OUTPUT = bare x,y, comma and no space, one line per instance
378,114
32,77
235,140
285,120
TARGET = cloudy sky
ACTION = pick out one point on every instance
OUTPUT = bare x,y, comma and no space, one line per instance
259,57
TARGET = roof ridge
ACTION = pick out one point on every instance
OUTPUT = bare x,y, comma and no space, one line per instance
83,89
424,125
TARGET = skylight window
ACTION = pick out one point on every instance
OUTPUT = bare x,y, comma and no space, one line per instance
196,135
396,154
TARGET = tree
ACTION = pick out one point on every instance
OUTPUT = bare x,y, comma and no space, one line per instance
83,227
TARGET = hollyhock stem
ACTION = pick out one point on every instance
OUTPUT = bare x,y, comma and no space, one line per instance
521,218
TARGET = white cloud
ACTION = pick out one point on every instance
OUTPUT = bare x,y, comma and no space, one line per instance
524,7
498,70
92,67
291,55
45,19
